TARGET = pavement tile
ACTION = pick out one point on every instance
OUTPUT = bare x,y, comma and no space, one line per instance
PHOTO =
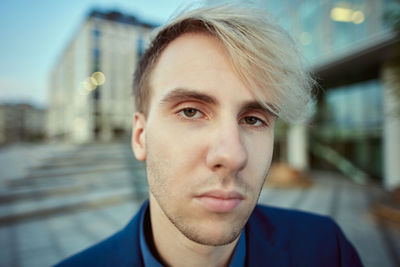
32,236
8,251
122,214
360,228
280,197
323,194
38,258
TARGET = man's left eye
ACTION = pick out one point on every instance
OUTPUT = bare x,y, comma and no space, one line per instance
254,121
190,113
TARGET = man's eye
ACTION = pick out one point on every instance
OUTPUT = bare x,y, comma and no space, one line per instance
254,121
190,113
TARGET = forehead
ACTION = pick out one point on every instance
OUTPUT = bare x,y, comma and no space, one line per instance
197,61
189,52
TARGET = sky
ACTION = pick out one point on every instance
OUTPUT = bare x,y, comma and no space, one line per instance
34,34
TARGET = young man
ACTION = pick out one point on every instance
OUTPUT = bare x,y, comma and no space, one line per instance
208,91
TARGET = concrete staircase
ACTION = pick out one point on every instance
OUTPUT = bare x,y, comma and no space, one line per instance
77,178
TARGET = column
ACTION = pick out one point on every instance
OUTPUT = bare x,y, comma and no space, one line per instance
391,124
297,144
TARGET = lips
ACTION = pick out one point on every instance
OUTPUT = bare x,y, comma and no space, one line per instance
220,201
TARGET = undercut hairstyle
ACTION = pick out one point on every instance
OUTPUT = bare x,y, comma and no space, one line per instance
262,55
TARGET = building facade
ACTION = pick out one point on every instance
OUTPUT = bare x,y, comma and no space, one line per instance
91,84
21,123
348,45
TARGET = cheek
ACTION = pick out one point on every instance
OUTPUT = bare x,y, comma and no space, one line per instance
179,145
177,150
260,151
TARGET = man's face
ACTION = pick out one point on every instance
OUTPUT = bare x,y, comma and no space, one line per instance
206,141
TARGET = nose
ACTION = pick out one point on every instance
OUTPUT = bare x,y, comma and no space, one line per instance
227,152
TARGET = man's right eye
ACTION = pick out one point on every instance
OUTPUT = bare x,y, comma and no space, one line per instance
190,113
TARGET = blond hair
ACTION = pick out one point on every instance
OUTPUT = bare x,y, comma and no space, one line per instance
263,56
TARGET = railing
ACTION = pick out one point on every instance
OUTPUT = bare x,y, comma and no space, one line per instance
342,164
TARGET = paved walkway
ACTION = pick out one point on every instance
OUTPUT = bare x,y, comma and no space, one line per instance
56,200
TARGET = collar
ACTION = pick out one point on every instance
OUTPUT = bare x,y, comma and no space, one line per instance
145,236
146,248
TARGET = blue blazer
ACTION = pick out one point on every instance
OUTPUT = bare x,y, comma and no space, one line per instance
274,237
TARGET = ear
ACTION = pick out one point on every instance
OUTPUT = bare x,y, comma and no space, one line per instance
139,136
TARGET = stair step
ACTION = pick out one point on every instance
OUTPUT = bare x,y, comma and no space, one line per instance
24,210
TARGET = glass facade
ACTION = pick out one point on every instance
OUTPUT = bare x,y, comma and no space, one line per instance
357,106
350,119
326,28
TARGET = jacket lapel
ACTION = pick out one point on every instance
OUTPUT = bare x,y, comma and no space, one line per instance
128,251
260,249
261,253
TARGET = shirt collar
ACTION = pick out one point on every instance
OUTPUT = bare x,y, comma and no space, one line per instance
238,258
145,231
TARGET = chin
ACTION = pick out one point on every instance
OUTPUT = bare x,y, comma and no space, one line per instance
214,234
215,240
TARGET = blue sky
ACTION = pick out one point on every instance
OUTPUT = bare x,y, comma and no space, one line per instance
34,34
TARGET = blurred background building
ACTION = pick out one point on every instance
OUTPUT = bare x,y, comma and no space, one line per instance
90,95
21,123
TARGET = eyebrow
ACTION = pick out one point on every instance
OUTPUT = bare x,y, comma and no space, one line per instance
256,106
180,94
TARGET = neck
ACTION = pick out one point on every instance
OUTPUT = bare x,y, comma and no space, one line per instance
175,249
